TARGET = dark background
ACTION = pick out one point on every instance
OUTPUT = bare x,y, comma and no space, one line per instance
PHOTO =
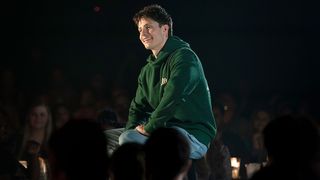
271,45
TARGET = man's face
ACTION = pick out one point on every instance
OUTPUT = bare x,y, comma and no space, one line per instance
152,36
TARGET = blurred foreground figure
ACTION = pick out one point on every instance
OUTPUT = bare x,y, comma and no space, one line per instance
127,162
79,151
167,154
293,149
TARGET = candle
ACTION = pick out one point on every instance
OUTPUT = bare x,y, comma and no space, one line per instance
235,165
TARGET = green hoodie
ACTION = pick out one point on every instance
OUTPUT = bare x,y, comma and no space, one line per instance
173,91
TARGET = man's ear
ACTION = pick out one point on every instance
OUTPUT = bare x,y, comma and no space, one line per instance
166,28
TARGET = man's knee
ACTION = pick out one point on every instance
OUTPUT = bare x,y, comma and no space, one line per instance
132,135
124,137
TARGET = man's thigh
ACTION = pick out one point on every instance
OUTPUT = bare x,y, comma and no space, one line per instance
132,135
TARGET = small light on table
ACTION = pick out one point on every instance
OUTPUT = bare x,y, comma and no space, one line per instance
235,165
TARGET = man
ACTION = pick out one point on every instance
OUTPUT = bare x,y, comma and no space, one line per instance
172,88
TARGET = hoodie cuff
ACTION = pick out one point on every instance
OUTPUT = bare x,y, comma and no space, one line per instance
149,128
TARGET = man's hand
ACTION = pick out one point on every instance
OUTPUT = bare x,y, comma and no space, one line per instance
141,130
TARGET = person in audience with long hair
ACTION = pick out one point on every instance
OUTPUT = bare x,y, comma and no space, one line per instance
37,130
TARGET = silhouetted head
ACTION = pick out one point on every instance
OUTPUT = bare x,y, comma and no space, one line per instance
167,154
127,162
107,118
291,140
78,151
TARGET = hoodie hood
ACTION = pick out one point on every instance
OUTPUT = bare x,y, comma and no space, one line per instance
173,43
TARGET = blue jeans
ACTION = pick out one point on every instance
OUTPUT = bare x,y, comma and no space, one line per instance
197,149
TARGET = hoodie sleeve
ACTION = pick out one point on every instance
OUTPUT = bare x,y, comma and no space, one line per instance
184,77
138,107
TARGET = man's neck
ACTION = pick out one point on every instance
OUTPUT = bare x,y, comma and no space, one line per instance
155,52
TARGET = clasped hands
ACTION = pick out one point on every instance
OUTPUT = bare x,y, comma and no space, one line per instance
140,129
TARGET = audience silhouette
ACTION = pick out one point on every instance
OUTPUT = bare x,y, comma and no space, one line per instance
293,149
78,150
167,155
127,162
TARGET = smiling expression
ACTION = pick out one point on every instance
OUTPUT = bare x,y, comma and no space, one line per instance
152,35
39,117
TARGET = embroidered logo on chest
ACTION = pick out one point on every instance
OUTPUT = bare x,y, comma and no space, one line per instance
163,81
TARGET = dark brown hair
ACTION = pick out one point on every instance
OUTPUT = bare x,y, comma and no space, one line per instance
156,13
